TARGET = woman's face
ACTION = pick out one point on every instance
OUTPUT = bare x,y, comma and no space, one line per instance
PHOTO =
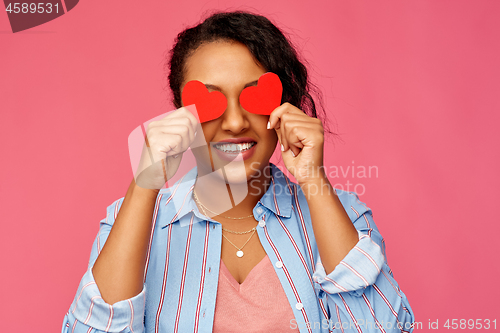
229,67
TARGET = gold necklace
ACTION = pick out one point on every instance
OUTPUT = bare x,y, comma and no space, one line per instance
231,231
239,253
203,207
239,232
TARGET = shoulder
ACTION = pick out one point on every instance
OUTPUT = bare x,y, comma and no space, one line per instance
113,209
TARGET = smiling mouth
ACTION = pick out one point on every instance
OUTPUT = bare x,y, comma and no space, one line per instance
234,148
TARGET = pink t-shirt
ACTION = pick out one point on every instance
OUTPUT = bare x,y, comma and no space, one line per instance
259,304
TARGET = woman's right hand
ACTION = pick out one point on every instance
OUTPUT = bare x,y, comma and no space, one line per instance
166,140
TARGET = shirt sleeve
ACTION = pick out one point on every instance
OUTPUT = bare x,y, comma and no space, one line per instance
361,292
89,311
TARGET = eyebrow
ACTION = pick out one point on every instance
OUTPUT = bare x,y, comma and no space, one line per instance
251,84
217,88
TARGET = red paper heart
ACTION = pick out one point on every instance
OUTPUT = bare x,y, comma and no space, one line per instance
209,105
263,98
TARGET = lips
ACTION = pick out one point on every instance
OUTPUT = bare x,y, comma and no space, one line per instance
235,148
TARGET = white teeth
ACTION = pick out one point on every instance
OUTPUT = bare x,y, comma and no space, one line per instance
234,148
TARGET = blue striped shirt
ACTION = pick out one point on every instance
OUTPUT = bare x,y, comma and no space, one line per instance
182,269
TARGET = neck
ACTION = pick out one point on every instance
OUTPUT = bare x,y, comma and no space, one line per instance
231,199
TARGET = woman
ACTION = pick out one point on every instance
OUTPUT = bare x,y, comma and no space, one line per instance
282,257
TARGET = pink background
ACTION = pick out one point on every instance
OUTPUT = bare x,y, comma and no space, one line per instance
413,88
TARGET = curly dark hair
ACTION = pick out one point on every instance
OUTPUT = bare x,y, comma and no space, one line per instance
266,42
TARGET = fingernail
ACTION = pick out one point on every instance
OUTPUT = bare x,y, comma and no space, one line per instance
292,153
282,148
268,125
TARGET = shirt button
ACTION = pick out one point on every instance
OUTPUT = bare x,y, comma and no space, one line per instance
259,210
279,264
262,223
299,306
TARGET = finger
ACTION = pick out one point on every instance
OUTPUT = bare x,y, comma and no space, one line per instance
183,112
287,114
172,120
290,143
179,116
163,145
177,125
298,134
187,132
279,133
284,139
287,122
277,113
295,145
280,139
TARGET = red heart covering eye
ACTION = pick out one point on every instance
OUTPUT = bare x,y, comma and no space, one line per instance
263,98
209,105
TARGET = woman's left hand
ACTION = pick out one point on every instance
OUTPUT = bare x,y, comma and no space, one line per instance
302,140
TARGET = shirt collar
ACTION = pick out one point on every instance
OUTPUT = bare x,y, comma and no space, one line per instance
278,199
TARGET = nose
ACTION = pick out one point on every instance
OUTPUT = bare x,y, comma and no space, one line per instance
234,119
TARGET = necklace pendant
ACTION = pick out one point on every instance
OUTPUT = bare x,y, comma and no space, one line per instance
239,254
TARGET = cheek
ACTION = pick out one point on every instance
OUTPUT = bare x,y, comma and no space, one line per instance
274,137
202,151
272,140
209,130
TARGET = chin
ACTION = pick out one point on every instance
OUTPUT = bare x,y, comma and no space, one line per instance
236,172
